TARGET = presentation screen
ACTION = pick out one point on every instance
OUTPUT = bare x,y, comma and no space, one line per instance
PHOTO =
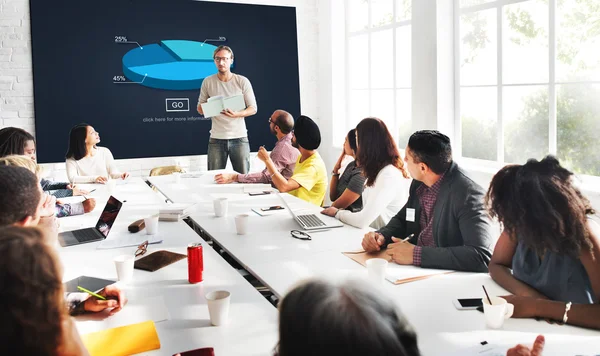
133,69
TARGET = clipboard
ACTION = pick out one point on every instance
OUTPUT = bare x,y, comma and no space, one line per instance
396,274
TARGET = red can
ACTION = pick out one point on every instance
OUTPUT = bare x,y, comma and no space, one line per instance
195,262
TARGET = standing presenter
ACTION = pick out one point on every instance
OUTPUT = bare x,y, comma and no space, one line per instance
228,134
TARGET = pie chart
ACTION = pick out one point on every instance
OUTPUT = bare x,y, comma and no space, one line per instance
170,65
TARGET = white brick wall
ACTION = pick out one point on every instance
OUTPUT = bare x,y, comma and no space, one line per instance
16,79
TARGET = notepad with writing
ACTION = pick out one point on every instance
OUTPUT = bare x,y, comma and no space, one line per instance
124,340
395,273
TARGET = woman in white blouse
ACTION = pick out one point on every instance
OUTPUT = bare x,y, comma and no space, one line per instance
387,182
88,163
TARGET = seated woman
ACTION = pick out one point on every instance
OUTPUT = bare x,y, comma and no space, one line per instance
35,321
345,191
549,247
16,141
387,180
61,209
88,163
320,318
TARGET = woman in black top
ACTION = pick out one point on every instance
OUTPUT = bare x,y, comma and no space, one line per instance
345,190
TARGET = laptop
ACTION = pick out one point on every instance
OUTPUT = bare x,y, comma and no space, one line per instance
97,233
312,221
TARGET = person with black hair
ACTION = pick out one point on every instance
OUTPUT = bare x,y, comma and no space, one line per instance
444,217
309,180
16,141
320,318
284,155
345,191
550,247
86,162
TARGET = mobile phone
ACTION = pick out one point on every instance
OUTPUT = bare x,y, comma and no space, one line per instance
467,304
276,207
252,194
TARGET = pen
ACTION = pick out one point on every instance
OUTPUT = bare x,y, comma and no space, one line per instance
408,237
91,191
91,293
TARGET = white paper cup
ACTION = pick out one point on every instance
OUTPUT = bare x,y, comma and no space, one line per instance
497,312
241,224
218,306
111,185
151,223
220,205
376,268
177,177
124,265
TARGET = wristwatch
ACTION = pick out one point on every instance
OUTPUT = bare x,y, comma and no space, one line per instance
334,174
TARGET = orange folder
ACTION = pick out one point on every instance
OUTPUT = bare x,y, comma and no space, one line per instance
124,340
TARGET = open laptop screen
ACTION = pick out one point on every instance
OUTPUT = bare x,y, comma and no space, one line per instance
109,215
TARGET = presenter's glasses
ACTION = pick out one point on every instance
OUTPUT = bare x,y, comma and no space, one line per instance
301,235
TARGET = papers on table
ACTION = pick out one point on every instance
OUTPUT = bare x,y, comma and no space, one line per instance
216,104
483,350
130,240
395,273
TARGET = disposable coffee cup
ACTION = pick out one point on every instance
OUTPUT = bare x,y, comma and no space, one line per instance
220,206
241,224
218,306
111,185
124,266
151,223
376,268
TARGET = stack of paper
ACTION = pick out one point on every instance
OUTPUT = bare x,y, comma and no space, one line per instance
174,212
128,240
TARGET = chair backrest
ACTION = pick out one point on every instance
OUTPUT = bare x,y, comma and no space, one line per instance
165,170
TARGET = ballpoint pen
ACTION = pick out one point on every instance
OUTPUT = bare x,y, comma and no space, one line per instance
408,237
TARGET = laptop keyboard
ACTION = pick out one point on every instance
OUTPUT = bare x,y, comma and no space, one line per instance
311,220
86,235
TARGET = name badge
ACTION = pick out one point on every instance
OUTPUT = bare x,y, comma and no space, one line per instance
410,214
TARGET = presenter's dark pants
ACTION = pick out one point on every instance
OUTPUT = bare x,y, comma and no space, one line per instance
238,150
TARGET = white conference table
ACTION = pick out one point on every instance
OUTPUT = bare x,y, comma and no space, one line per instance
280,261
252,327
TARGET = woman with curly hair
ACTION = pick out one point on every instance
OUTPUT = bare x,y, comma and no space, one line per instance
35,321
387,181
550,248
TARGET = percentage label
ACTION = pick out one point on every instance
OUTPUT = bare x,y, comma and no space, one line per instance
120,39
119,78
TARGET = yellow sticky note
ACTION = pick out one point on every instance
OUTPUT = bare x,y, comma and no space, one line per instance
124,340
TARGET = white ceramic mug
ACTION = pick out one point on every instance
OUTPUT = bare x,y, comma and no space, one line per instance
376,268
241,224
497,312
218,306
220,206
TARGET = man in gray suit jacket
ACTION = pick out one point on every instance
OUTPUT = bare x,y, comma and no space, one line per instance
444,223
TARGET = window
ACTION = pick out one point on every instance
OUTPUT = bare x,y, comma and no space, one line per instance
528,75
378,65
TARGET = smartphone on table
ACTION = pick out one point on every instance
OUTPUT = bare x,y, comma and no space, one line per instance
468,303
276,207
